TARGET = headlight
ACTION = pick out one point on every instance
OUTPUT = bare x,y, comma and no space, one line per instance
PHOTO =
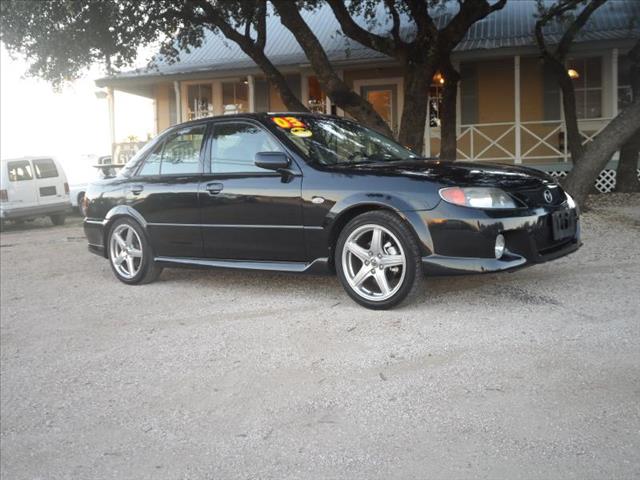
570,201
478,197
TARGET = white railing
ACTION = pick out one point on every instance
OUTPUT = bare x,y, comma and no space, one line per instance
540,141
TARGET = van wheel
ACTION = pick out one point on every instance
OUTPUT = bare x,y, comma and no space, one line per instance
57,219
378,260
130,253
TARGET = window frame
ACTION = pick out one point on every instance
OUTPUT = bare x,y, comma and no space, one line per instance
209,147
162,141
28,164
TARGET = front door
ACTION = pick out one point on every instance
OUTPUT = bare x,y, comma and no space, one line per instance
249,213
165,192
384,99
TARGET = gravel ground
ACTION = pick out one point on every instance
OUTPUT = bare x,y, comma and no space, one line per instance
224,374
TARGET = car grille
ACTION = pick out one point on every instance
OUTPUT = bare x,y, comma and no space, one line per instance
535,197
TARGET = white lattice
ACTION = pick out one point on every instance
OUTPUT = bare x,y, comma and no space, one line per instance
605,183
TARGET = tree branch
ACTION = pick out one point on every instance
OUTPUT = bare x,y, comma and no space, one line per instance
359,34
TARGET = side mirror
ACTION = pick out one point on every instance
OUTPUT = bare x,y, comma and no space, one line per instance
272,160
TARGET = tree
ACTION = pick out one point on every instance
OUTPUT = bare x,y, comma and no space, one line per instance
61,38
588,160
337,90
420,54
627,174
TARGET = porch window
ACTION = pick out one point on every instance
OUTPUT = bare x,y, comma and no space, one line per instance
587,82
625,94
199,101
235,97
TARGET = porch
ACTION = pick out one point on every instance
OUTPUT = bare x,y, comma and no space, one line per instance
509,108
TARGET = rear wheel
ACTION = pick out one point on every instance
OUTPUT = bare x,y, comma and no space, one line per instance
378,260
57,219
130,254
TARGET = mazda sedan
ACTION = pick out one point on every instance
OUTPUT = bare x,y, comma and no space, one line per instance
310,194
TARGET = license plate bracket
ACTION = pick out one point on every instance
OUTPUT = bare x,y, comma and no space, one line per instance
563,224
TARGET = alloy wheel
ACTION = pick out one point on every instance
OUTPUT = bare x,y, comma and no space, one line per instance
374,262
126,251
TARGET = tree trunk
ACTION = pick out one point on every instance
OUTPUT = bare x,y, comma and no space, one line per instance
627,174
574,138
448,134
275,78
580,180
417,78
337,90
255,51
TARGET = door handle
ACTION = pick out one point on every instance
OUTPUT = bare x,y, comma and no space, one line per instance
137,189
214,188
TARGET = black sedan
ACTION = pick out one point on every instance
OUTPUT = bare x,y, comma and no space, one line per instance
312,193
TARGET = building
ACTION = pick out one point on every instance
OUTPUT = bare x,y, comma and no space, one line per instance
509,106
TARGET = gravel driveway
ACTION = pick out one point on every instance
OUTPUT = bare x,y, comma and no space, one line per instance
224,374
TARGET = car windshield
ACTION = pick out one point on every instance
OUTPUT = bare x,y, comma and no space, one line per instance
335,141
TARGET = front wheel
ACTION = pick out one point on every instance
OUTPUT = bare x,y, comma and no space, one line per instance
130,254
378,260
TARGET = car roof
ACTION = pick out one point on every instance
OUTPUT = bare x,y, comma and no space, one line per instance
261,116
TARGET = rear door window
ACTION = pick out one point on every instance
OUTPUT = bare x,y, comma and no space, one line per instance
179,154
45,168
19,171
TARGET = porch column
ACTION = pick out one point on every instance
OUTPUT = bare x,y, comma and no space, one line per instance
304,89
178,94
516,79
614,82
456,65
427,129
112,117
252,93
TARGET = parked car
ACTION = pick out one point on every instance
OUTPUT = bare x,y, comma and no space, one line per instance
32,187
311,193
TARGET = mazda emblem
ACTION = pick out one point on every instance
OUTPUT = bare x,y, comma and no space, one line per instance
548,197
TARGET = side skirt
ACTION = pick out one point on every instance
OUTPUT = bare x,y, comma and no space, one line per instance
320,266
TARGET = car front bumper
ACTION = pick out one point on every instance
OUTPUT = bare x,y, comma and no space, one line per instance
462,240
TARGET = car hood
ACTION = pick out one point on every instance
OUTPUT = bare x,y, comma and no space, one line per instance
458,173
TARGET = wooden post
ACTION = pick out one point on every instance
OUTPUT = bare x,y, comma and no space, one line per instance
252,93
516,79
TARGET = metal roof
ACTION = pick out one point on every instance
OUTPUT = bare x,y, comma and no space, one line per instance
508,28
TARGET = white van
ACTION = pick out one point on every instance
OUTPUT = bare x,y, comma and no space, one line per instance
33,187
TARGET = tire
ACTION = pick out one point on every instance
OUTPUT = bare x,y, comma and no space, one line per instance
130,254
57,219
395,258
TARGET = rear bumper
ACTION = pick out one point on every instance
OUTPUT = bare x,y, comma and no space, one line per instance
94,231
12,213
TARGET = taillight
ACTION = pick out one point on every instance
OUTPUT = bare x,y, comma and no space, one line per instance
66,188
4,195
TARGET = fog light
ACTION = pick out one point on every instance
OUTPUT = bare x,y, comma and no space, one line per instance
499,248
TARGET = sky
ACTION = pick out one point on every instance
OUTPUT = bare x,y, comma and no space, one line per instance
72,124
